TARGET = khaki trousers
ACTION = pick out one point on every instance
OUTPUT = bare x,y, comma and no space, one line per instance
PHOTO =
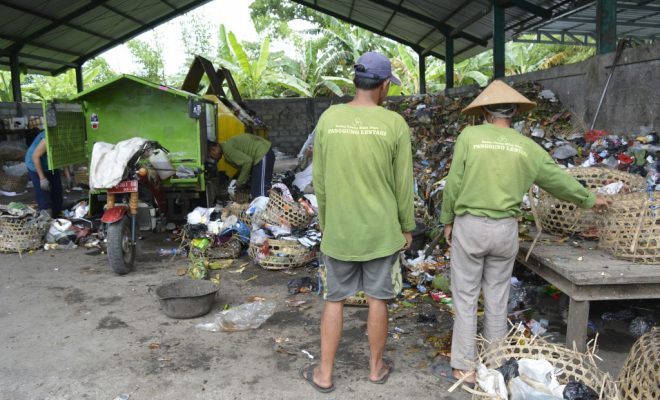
482,255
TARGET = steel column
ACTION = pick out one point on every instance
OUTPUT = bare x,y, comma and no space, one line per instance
15,69
605,26
79,78
498,40
422,72
449,63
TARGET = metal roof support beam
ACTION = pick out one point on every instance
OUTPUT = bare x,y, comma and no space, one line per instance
444,28
529,7
79,78
498,40
449,63
422,72
15,69
605,26
364,26
55,23
136,32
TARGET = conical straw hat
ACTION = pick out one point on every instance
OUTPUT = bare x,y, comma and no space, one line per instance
499,92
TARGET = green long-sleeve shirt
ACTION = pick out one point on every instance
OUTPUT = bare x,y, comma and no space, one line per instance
362,171
243,152
493,167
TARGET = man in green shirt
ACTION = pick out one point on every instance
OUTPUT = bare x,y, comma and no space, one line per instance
362,171
252,156
492,168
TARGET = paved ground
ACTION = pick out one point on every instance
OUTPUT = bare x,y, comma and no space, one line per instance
72,329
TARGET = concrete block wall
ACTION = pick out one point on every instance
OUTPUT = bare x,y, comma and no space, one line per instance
632,99
291,120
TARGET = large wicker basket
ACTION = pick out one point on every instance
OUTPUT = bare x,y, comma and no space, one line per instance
631,228
575,365
12,183
20,234
281,254
639,378
282,212
563,218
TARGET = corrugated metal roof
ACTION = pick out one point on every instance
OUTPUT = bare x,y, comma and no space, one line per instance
51,36
424,24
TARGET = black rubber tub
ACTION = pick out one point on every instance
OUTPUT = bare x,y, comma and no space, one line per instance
186,298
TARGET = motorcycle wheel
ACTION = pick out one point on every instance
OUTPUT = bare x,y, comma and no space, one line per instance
121,253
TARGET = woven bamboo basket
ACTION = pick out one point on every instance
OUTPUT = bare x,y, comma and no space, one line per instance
639,379
229,249
631,228
576,366
563,218
282,254
282,212
20,234
240,197
12,183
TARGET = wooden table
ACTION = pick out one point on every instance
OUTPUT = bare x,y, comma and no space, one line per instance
586,275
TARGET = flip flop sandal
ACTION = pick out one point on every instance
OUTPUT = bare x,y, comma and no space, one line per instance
388,363
307,373
445,371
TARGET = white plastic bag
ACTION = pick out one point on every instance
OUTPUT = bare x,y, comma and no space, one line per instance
540,371
519,390
241,318
199,215
491,382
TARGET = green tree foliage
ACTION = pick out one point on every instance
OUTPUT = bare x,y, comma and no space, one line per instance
149,58
260,76
38,88
5,86
271,17
197,37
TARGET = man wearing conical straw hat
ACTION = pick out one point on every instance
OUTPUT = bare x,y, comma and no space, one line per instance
493,167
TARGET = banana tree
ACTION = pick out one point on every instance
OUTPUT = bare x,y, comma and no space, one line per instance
261,77
38,88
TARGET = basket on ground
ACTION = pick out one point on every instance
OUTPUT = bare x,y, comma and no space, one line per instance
21,234
282,212
576,366
13,183
280,254
638,378
631,228
563,218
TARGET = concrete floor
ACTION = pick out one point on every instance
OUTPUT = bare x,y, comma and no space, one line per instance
72,329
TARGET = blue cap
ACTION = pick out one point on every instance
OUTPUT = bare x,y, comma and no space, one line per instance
375,66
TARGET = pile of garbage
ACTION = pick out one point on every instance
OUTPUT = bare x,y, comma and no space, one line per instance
279,231
436,120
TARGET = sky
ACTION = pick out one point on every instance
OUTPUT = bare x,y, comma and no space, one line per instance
234,14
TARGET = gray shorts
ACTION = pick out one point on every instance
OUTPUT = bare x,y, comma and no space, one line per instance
379,278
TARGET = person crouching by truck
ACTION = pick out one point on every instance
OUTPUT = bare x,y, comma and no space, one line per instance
47,184
254,159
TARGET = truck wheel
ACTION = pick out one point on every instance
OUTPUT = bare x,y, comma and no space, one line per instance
121,253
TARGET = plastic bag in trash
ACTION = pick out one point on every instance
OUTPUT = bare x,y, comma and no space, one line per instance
576,390
641,325
564,152
60,231
519,390
509,369
491,381
540,371
241,318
